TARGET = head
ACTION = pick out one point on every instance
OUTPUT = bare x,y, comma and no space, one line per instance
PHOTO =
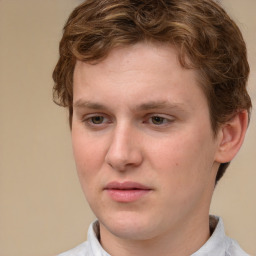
205,37
158,107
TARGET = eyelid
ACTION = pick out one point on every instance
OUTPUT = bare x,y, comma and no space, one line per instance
86,119
168,118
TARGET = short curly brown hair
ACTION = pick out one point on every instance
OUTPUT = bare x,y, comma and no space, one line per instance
201,31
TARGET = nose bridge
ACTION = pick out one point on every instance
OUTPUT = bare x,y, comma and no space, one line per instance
123,149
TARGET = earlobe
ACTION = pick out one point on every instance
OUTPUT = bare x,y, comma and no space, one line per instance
231,136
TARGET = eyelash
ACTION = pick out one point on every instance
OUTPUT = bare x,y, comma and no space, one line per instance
163,120
88,120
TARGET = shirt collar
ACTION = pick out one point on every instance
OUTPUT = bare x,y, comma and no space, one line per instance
94,240
216,244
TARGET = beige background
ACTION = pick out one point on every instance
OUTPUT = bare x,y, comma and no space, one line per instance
42,209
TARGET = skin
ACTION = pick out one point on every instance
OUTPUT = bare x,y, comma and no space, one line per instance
139,116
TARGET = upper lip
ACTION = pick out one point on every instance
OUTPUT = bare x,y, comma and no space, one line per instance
127,185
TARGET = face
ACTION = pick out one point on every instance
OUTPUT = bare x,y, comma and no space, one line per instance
142,142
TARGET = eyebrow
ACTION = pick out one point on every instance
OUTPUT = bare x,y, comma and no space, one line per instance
88,104
160,105
82,104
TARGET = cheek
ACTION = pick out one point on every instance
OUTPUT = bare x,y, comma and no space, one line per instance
87,154
184,160
184,167
88,163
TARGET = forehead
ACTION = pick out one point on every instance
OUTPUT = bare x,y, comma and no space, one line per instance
143,69
146,51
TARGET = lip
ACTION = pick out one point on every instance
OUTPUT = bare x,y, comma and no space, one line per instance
126,191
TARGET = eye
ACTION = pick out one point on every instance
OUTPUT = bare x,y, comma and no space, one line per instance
158,120
96,119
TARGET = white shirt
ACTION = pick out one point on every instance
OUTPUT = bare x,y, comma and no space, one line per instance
217,245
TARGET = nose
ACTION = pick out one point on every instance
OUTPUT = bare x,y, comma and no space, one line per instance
124,151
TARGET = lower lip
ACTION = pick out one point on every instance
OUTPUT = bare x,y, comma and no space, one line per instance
126,196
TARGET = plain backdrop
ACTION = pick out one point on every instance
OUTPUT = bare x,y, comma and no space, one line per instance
42,208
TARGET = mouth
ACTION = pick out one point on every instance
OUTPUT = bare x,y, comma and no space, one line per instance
126,191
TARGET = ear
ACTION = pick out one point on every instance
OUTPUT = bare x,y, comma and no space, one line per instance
231,136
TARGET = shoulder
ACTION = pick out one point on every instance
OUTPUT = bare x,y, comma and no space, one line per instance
230,246
219,243
234,249
90,247
80,250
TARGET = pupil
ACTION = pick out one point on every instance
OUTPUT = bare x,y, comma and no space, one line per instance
97,119
157,120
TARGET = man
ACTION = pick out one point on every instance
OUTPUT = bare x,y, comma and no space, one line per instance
158,106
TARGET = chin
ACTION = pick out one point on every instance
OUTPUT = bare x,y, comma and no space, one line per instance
130,226
130,232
